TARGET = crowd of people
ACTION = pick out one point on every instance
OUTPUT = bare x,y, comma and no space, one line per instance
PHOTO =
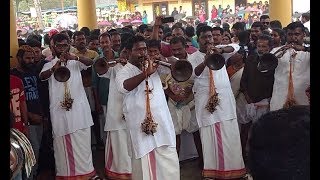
243,94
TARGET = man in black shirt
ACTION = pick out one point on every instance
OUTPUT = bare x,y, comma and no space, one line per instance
26,72
256,85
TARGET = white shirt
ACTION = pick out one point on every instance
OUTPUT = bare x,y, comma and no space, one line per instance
79,117
134,109
226,110
300,77
114,120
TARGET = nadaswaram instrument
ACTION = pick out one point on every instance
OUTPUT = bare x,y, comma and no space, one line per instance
213,61
269,61
181,70
62,73
101,65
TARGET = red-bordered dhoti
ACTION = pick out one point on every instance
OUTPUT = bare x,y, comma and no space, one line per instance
73,156
222,153
160,164
117,159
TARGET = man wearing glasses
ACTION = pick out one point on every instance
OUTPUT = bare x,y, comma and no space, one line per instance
71,127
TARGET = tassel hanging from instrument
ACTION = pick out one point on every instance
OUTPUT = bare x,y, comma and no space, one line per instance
213,100
67,100
290,101
148,126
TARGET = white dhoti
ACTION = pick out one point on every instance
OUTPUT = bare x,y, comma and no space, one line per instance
73,155
160,164
117,159
222,151
184,117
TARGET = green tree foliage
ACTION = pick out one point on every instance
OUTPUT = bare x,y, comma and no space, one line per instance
24,5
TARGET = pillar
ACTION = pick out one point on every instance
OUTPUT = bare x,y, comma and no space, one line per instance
13,37
281,10
87,14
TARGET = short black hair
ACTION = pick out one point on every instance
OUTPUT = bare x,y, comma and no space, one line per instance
281,34
33,43
244,37
114,34
178,27
125,36
294,25
218,29
239,26
178,39
36,37
200,25
105,34
266,38
279,145
259,25
133,40
95,32
190,32
46,39
60,37
203,29
275,24
112,30
93,37
142,28
86,31
265,16
78,33
152,43
167,35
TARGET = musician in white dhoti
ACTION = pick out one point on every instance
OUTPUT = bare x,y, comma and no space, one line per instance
117,159
149,125
292,75
216,111
70,113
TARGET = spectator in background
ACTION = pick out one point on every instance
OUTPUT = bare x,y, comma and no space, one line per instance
167,37
279,145
278,37
305,19
275,24
93,43
190,33
214,12
220,9
145,17
265,20
226,39
86,31
115,41
174,12
235,30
